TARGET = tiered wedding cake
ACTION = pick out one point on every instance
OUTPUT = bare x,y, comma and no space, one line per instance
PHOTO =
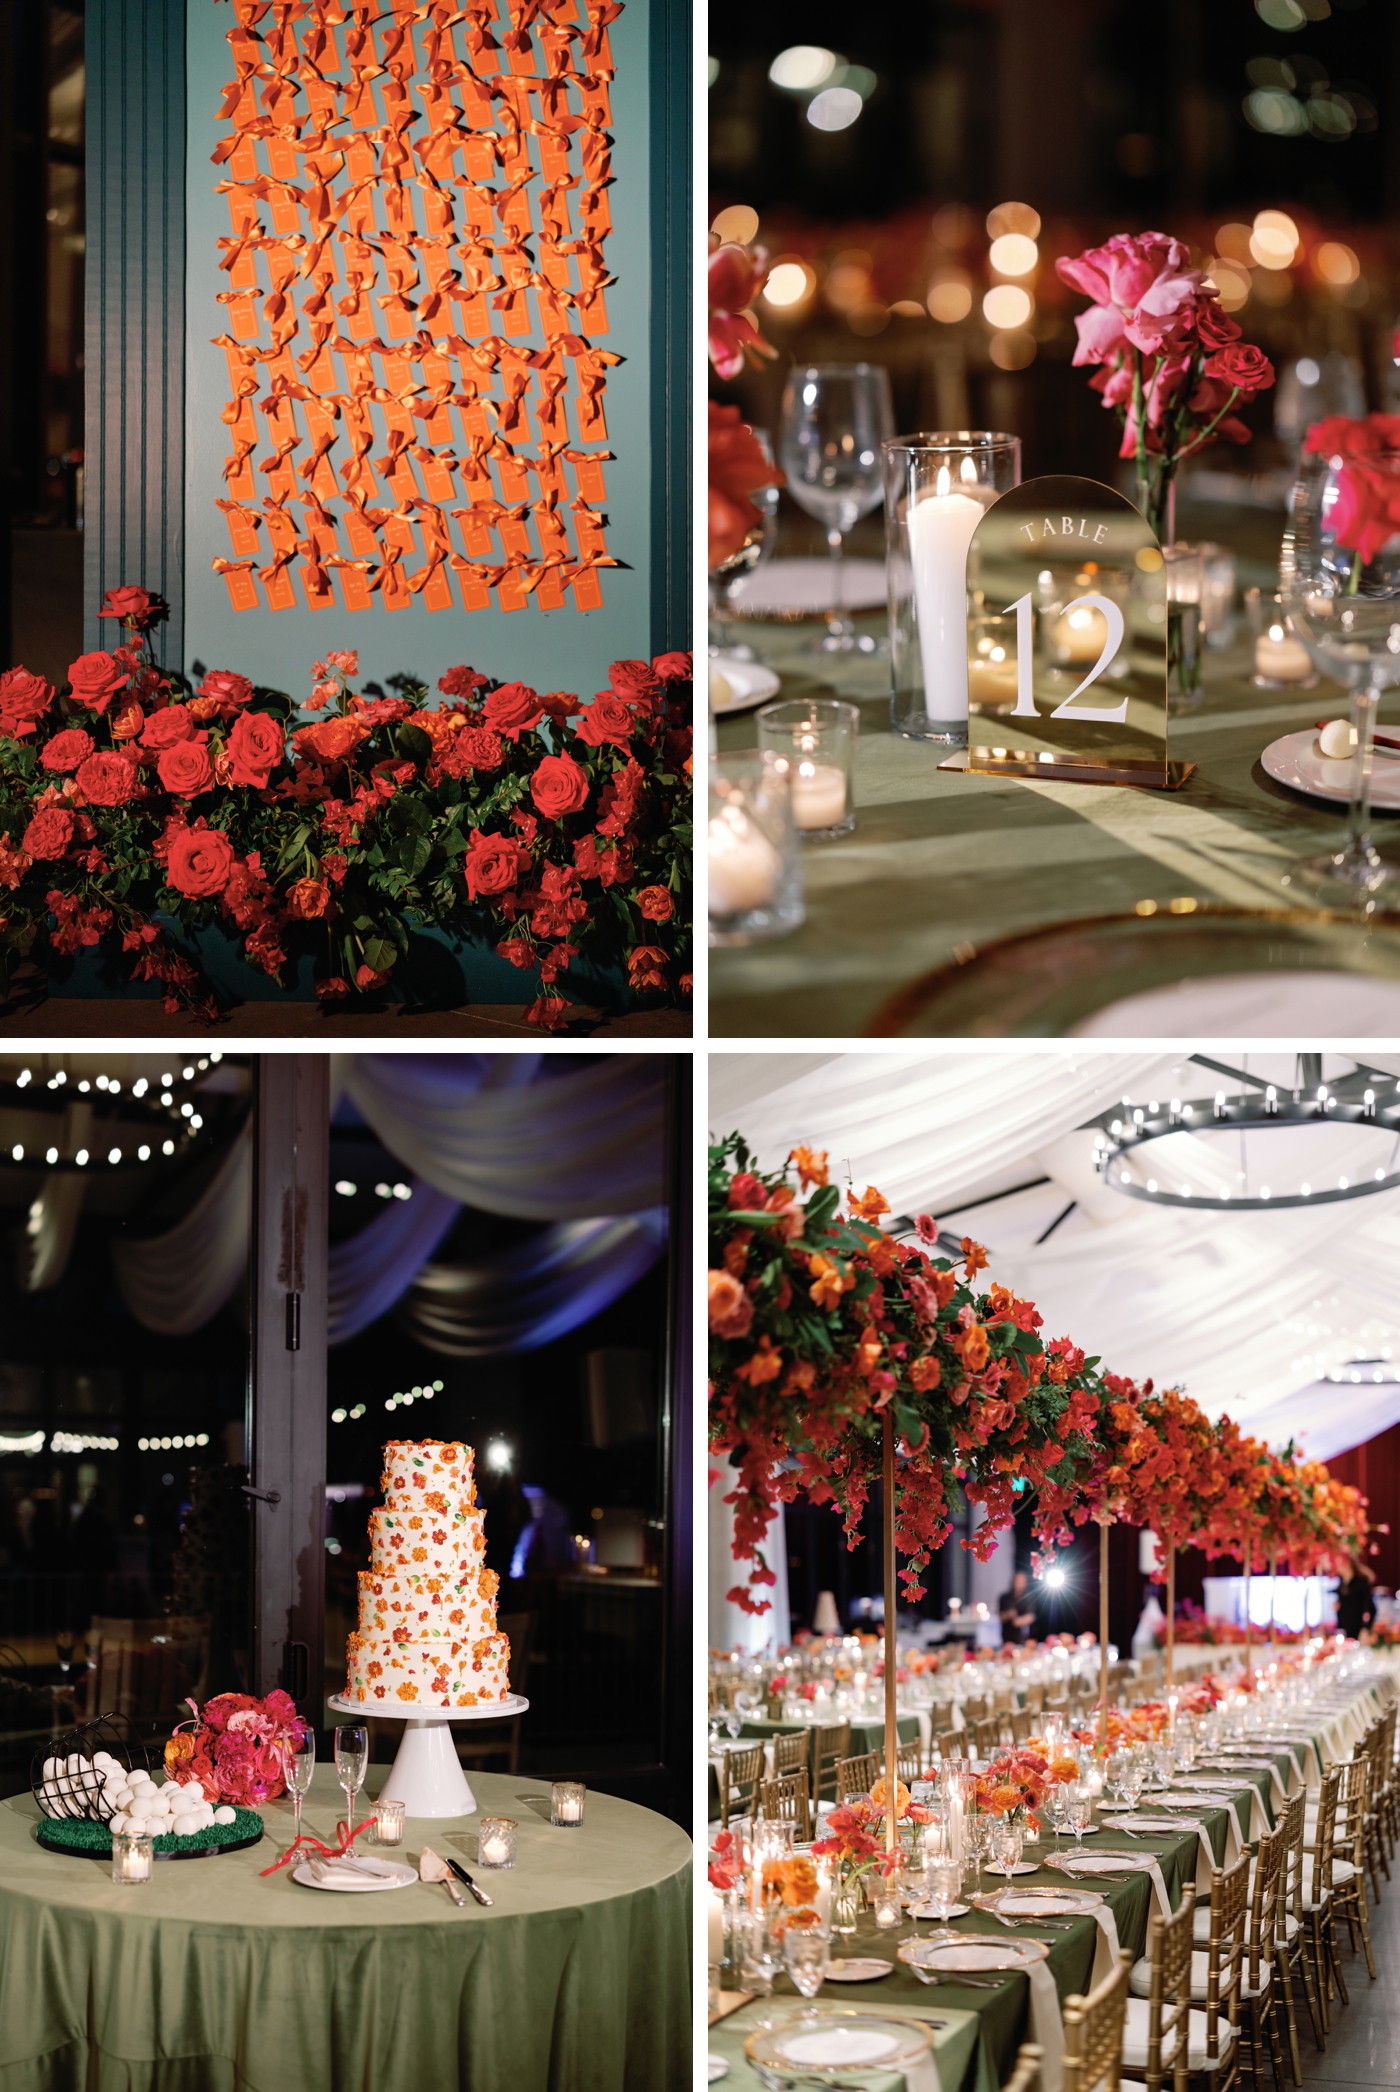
428,1603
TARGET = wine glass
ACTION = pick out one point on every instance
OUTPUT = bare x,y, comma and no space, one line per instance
944,1884
1115,1766
1008,1841
298,1764
1132,1781
977,1829
755,550
1339,574
836,419
1057,1807
1081,1809
804,1955
351,1760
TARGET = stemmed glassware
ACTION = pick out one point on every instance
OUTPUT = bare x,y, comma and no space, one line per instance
1081,1810
1132,1781
1339,574
1057,1808
1115,1766
944,1882
836,419
977,1829
804,1956
351,1762
1008,1842
298,1764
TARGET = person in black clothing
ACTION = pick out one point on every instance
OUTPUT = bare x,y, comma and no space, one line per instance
1356,1603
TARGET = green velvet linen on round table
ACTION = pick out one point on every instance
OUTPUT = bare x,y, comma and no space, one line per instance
940,861
214,1979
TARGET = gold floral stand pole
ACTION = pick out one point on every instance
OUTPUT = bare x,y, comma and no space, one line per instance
1171,1614
1103,1635
891,1649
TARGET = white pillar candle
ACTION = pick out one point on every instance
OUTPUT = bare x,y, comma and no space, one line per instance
743,865
940,530
495,1851
1284,659
818,795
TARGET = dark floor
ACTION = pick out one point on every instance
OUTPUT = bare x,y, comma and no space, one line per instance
1363,2048
141,1018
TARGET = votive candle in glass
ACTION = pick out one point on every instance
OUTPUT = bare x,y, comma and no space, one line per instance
388,1822
496,1843
566,1802
938,487
1280,659
133,1856
755,872
814,740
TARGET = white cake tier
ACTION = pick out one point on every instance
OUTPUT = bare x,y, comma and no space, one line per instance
436,1607
429,1471
424,1543
427,1673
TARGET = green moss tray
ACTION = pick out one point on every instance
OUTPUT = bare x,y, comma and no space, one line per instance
82,1840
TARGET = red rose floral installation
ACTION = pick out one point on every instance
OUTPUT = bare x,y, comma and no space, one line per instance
548,826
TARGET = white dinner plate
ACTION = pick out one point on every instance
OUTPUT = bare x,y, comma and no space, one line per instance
1107,1862
972,1957
750,684
1037,1903
379,1874
919,1909
854,1969
802,588
1297,761
715,2067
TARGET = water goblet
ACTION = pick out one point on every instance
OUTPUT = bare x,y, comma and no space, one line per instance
805,1952
1081,1809
1008,1840
1115,1768
1057,1808
351,1761
944,1883
977,1829
298,1764
836,418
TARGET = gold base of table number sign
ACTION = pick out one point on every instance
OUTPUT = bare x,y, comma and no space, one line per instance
1073,581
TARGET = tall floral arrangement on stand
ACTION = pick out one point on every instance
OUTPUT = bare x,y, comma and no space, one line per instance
1170,360
1179,1482
134,807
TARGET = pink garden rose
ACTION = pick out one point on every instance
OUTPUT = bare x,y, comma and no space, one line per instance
1143,293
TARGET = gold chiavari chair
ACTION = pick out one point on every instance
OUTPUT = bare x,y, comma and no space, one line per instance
828,1745
1026,2075
1035,1698
986,1737
1258,1991
792,1753
1377,1862
952,1743
1215,1977
1022,1725
1157,2029
1348,1875
975,1708
1318,1909
785,1801
909,1757
1094,2033
1290,1939
857,1775
738,1773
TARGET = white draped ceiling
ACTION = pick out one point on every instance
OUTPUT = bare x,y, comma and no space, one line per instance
1245,1310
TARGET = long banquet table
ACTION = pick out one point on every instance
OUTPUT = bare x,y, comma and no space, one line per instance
212,1978
940,863
982,2062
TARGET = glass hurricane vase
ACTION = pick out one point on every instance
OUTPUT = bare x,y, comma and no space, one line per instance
1339,575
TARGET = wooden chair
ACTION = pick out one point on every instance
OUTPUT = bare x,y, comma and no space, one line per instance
909,1757
792,1753
1157,2029
857,1775
785,1801
975,1708
1317,1908
940,1717
478,1741
1258,1991
1026,2075
1094,2033
1035,1698
828,1745
952,1743
1348,1875
739,1774
986,1737
1215,1978
1022,1726
1290,1938
1377,1859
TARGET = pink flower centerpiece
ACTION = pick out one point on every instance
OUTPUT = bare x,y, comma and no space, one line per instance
1171,361
233,1750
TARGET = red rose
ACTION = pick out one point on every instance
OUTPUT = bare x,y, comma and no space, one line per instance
635,679
674,668
256,746
66,750
23,697
558,787
494,863
165,729
1243,365
310,898
646,967
368,978
333,740
561,705
1214,325
655,904
96,679
49,833
107,779
199,862
137,604
606,720
229,688
127,720
184,769
513,709
460,682
483,749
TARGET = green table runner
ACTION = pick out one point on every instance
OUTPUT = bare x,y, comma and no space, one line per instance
939,861
956,2043
213,1979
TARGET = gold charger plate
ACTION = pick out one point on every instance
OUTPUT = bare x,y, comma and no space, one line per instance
1040,983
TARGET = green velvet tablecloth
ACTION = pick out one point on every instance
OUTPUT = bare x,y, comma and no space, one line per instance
212,1978
940,862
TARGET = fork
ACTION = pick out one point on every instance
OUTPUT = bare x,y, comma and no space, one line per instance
1020,1924
931,1976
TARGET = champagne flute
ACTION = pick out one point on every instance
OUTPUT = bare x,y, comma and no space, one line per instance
351,1761
298,1764
836,419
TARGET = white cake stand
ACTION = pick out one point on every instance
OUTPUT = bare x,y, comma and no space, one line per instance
426,1776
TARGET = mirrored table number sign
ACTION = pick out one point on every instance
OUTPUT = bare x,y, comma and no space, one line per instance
1075,583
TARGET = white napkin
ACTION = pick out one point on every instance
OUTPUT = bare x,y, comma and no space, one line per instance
337,1873
1106,1947
1047,2027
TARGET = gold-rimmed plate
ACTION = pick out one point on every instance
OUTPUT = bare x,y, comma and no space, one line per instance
1043,1903
972,1955
838,2042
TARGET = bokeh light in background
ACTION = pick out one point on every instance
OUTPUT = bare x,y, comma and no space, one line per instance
739,224
950,297
834,109
1013,254
1006,305
789,283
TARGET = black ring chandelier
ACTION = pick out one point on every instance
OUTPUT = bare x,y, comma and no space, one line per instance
1366,1098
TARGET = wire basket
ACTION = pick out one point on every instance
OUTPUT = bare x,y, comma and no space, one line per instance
66,1773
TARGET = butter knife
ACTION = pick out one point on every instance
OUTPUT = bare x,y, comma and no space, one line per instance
462,1875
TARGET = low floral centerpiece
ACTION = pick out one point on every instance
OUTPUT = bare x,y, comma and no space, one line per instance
233,1747
138,811
855,1841
1015,1784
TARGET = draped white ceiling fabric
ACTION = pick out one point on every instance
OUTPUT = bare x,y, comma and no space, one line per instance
1245,1310
370,1271
176,1282
47,1241
532,1293
503,1133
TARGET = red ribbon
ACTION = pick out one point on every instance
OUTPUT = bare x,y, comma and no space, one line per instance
331,1852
